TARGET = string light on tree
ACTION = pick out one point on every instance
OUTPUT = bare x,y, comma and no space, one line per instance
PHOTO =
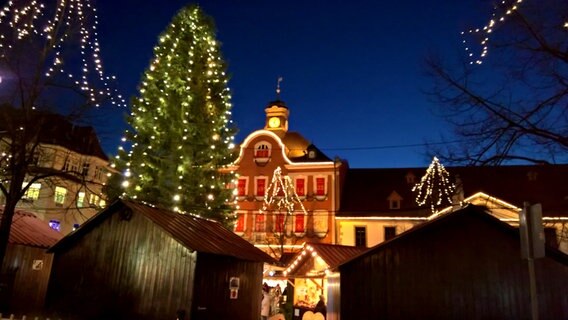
434,187
182,132
59,26
498,17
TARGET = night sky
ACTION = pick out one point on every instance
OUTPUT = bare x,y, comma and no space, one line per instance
353,75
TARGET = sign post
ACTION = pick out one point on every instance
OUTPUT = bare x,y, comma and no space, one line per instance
532,246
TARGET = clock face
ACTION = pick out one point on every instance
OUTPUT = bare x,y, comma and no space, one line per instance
274,122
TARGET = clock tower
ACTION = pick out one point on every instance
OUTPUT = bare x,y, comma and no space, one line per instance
277,117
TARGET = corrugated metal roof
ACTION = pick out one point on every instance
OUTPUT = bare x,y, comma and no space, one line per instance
28,230
198,234
201,235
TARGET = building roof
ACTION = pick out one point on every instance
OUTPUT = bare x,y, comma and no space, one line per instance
198,234
28,230
58,130
366,191
332,254
469,210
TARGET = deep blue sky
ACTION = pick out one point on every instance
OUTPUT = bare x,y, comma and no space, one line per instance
352,69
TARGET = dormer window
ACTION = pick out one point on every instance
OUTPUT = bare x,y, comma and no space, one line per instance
410,178
394,200
262,151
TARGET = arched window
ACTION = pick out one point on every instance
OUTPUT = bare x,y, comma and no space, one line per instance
262,151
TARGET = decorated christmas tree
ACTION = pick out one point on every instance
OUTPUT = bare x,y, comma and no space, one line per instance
181,129
434,187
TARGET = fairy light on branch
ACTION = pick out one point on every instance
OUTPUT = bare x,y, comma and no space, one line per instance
434,187
32,18
484,33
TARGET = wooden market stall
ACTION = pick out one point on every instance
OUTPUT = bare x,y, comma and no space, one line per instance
310,274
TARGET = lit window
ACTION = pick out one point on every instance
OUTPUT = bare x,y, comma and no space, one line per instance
301,187
262,151
242,187
260,187
240,223
299,225
279,221
320,187
33,191
67,164
80,199
102,203
60,194
95,199
259,223
55,224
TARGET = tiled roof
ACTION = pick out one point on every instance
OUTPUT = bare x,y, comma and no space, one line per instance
365,191
28,230
58,130
193,232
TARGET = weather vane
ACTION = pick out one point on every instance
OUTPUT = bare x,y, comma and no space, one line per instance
278,87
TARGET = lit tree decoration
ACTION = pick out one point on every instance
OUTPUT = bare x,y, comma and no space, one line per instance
282,200
434,187
58,26
182,129
509,7
280,196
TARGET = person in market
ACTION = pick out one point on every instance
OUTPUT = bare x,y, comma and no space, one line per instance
320,306
265,303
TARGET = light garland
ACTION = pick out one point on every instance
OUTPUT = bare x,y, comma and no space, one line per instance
487,30
31,19
280,195
434,186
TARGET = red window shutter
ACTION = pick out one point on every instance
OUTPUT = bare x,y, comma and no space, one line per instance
259,223
240,225
260,184
241,189
299,223
300,191
320,186
279,222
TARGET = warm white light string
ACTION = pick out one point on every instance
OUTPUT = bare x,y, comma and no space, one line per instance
486,31
31,19
434,186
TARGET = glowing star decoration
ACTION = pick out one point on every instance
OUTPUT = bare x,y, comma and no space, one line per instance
68,24
434,187
506,8
280,196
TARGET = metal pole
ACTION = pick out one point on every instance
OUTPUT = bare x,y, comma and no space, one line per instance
532,284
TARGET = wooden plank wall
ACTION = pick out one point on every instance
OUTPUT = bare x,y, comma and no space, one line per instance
123,269
212,301
469,269
29,286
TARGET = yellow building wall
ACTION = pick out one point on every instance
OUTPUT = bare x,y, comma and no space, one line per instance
374,229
